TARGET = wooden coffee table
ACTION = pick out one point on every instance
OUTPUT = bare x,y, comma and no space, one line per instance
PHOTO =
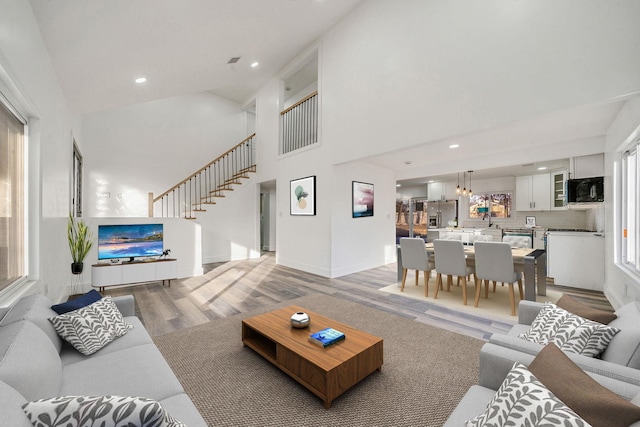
325,371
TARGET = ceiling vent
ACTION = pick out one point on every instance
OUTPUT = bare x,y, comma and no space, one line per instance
234,60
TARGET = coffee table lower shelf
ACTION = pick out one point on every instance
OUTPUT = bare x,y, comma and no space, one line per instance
326,372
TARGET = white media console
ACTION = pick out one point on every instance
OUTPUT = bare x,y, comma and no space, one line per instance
103,275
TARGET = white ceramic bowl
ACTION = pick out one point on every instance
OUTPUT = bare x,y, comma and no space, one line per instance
300,320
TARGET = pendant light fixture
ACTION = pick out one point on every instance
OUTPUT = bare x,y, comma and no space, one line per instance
458,187
470,191
464,183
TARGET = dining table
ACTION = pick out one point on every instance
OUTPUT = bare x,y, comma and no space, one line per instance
531,262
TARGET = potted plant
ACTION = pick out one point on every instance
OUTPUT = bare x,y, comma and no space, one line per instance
80,242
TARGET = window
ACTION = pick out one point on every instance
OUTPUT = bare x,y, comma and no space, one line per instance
631,208
12,194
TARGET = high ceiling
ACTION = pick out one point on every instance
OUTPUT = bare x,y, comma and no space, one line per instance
99,47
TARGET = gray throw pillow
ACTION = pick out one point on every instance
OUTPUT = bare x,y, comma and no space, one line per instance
523,400
90,411
92,327
569,332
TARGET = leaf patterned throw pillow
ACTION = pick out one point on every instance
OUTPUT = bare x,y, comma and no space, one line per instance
94,411
569,332
92,327
522,400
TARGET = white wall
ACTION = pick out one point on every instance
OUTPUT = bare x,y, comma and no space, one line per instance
28,81
150,147
394,76
231,227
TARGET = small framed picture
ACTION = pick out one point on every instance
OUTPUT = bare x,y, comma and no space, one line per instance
303,196
530,221
362,200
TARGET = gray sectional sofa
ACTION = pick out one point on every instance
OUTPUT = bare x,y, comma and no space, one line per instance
620,360
617,368
35,363
495,364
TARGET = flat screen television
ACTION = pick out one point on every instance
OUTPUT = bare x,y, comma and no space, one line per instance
130,241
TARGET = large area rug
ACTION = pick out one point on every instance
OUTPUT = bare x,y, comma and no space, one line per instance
426,372
496,307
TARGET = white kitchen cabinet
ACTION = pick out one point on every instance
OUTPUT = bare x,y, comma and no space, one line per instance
587,166
576,259
441,191
533,192
558,183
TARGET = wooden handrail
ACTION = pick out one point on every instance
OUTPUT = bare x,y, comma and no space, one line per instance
203,168
303,100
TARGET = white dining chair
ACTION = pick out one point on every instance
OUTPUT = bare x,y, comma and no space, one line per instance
450,260
494,261
414,256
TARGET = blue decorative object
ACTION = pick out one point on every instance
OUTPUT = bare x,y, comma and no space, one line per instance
83,301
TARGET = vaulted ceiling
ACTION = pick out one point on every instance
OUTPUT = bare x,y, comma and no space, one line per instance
98,48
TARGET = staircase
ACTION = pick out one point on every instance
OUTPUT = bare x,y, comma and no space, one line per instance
207,185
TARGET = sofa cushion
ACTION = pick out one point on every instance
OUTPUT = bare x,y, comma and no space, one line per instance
28,361
138,335
598,405
522,397
136,371
74,304
10,407
92,327
583,310
181,407
88,411
37,310
569,332
624,348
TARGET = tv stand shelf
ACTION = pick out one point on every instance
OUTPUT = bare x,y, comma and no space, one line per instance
103,275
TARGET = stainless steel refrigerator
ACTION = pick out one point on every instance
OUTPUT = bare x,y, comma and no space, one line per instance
441,213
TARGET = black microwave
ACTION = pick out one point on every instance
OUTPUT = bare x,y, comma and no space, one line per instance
585,190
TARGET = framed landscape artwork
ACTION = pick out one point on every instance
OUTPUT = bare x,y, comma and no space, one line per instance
303,196
362,200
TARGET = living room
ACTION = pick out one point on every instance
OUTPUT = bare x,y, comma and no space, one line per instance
392,80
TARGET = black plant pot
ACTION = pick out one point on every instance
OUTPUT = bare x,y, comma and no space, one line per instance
76,267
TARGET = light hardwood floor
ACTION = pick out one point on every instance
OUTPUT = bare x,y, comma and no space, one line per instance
237,287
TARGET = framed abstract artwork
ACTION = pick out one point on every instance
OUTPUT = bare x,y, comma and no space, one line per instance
362,200
303,196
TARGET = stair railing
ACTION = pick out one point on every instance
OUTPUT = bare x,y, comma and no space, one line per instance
299,124
201,188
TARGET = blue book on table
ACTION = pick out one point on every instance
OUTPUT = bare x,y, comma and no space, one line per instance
326,337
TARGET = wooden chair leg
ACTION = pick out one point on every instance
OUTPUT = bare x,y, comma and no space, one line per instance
486,289
520,289
513,299
494,286
404,278
464,289
417,276
478,287
449,282
426,282
438,285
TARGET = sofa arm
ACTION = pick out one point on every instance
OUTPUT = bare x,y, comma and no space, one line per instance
591,365
527,311
496,362
126,305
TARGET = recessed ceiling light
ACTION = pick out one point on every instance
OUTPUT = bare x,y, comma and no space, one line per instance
398,185
254,64
454,146
541,168
141,79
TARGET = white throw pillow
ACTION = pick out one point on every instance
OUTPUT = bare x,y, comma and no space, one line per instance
92,327
569,332
522,400
89,411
